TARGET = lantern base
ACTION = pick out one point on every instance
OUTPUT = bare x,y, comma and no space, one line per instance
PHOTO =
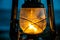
29,37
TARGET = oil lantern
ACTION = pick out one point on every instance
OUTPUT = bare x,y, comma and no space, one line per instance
32,23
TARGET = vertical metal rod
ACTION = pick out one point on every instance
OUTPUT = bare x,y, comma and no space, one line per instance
51,18
14,9
13,33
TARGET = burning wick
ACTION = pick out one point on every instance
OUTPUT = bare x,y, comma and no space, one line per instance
31,27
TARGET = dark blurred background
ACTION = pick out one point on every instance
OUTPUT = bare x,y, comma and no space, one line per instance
5,16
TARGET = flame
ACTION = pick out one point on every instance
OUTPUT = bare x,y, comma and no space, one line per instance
31,27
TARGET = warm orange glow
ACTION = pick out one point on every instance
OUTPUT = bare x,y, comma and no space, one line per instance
31,20
31,27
